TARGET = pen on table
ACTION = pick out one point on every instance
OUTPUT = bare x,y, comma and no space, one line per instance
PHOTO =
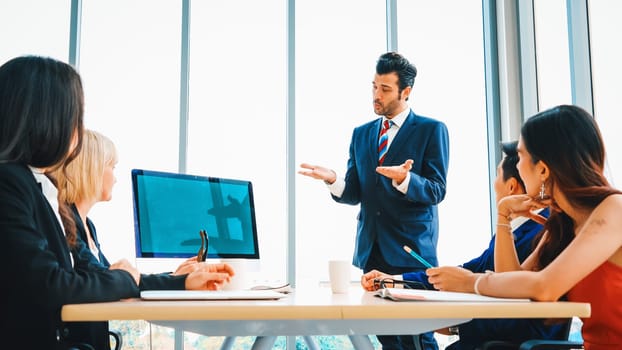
416,256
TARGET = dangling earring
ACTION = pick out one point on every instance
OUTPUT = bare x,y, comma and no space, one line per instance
542,194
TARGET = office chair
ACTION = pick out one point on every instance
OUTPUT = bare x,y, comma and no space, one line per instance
536,344
118,340
550,345
117,344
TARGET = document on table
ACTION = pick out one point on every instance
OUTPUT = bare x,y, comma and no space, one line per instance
404,294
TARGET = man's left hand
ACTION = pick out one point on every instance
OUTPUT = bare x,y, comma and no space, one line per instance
396,172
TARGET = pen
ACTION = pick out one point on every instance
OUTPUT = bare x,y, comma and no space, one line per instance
202,255
416,256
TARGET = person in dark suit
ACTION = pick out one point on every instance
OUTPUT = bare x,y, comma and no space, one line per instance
397,174
474,333
41,125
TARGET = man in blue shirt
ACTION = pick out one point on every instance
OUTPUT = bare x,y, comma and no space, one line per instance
474,333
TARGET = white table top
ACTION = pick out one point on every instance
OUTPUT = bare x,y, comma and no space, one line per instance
317,304
315,311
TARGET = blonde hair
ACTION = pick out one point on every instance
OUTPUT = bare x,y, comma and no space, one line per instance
82,178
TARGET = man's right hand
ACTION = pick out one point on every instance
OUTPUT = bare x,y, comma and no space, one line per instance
318,172
367,280
209,276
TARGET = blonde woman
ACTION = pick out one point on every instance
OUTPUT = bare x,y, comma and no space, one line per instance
89,179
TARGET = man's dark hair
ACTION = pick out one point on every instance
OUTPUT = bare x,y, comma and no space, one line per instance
508,165
394,62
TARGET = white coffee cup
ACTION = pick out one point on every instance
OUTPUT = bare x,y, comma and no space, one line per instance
339,275
241,280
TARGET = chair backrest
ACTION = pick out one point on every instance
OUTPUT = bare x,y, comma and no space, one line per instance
572,340
535,344
118,340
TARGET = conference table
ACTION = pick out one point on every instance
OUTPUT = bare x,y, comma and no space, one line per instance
314,311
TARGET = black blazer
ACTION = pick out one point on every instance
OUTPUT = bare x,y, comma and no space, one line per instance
85,259
38,273
96,333
82,233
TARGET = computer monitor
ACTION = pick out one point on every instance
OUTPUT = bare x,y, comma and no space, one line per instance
170,209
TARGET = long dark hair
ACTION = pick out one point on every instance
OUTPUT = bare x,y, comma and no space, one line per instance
567,139
41,108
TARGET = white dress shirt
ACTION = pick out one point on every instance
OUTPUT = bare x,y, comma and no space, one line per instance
337,187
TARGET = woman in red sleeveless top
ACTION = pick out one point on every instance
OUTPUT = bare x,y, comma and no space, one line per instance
579,255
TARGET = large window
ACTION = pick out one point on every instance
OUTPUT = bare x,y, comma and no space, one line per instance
237,110
33,27
552,53
444,40
606,54
337,44
130,67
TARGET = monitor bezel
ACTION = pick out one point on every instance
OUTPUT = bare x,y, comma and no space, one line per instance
137,236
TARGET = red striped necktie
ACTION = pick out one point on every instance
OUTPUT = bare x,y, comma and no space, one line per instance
383,141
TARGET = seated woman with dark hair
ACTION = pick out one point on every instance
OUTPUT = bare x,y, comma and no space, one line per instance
562,161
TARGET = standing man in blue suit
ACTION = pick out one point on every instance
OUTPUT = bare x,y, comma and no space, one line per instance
398,182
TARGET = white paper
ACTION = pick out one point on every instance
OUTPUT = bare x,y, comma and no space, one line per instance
401,294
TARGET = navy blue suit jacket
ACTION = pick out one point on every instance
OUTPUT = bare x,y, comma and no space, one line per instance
388,217
82,233
474,333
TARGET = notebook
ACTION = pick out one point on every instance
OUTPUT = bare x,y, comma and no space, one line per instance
211,295
400,294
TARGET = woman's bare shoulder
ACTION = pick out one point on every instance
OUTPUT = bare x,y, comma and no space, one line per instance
607,215
612,201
